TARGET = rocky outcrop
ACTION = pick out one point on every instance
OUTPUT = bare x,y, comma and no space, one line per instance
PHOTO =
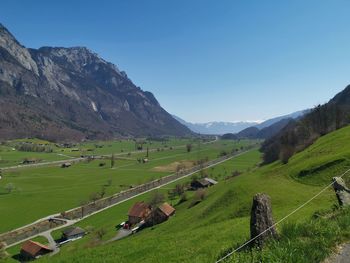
71,93
342,191
261,219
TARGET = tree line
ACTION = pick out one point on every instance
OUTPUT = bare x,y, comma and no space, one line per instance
299,134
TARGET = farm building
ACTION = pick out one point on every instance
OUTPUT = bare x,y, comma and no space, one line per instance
161,214
66,165
31,249
30,161
138,212
211,181
167,209
202,183
73,233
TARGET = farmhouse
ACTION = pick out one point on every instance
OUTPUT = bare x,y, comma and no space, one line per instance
203,183
31,250
73,233
138,212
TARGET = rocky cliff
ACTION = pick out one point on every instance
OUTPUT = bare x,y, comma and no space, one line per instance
61,93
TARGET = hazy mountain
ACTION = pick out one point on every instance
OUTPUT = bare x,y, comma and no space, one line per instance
216,127
301,133
271,121
71,93
244,128
271,127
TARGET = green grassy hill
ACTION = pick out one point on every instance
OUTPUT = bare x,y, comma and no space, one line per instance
221,222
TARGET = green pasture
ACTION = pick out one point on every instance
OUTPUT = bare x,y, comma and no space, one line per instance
221,222
41,191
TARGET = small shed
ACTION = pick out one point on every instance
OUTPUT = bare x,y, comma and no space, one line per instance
211,181
167,209
73,233
31,249
138,212
66,165
203,183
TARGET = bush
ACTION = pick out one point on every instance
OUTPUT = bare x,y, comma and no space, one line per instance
3,253
200,194
183,198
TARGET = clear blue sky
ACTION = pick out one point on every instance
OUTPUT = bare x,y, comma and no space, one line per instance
205,60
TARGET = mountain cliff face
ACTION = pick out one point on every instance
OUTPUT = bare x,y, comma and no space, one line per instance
71,94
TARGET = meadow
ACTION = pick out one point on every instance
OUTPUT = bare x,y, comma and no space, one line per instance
220,222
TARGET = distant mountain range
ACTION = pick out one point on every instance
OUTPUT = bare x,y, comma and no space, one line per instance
216,127
61,93
242,128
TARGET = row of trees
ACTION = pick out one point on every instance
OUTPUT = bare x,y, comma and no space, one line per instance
298,135
29,147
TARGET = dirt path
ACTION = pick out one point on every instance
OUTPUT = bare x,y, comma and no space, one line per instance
52,243
342,256
121,234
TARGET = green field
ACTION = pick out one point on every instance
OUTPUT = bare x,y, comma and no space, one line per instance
221,222
42,191
10,156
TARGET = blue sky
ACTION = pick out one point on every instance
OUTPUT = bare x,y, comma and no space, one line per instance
205,60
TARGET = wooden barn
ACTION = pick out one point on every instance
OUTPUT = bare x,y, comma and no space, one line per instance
138,212
167,210
31,250
202,183
161,214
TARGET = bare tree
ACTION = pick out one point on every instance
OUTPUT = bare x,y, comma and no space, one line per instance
3,253
9,187
156,199
100,233
179,189
112,161
94,197
103,191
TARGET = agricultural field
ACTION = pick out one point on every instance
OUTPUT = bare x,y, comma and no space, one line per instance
14,152
220,222
37,192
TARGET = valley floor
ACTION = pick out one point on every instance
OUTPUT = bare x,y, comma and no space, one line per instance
208,230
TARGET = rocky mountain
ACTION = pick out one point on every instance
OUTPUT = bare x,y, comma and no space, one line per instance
216,127
61,93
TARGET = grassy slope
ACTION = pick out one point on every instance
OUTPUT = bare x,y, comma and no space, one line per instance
201,233
47,190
